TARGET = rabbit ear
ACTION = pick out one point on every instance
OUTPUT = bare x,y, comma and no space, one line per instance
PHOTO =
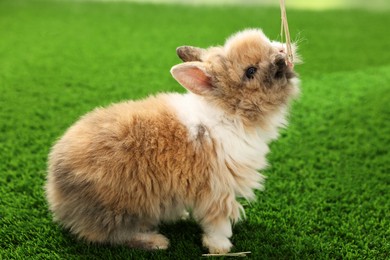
192,76
189,53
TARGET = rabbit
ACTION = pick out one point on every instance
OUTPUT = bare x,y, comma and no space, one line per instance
120,171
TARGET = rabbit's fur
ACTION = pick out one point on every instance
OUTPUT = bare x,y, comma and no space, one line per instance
121,170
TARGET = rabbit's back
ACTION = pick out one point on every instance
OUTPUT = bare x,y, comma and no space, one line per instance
130,158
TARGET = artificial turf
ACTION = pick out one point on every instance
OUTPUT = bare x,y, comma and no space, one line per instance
327,192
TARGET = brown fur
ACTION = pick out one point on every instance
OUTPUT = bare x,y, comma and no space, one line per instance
189,53
118,165
121,170
254,99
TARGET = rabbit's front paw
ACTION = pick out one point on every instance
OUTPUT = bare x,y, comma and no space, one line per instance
217,244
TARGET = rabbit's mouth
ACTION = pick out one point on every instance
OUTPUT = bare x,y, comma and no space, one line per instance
282,69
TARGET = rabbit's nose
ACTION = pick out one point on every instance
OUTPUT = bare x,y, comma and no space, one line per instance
281,67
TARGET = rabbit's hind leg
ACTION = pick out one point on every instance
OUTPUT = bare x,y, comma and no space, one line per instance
141,234
148,241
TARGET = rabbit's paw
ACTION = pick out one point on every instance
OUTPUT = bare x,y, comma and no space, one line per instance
217,244
149,241
185,215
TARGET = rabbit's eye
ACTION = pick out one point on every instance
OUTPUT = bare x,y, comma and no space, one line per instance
250,72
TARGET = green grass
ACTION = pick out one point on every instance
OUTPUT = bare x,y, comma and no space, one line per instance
328,188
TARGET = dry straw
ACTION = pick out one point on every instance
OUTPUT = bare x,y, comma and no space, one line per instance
238,254
285,32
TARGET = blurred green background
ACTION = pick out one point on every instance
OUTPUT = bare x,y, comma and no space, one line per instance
327,192
301,4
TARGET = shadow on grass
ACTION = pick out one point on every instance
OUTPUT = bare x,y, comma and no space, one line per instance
184,236
185,243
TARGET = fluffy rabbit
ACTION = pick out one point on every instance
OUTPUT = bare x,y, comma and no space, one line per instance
120,171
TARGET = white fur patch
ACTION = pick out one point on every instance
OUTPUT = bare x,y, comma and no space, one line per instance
240,153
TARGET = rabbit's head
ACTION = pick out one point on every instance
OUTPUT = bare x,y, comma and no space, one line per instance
247,77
